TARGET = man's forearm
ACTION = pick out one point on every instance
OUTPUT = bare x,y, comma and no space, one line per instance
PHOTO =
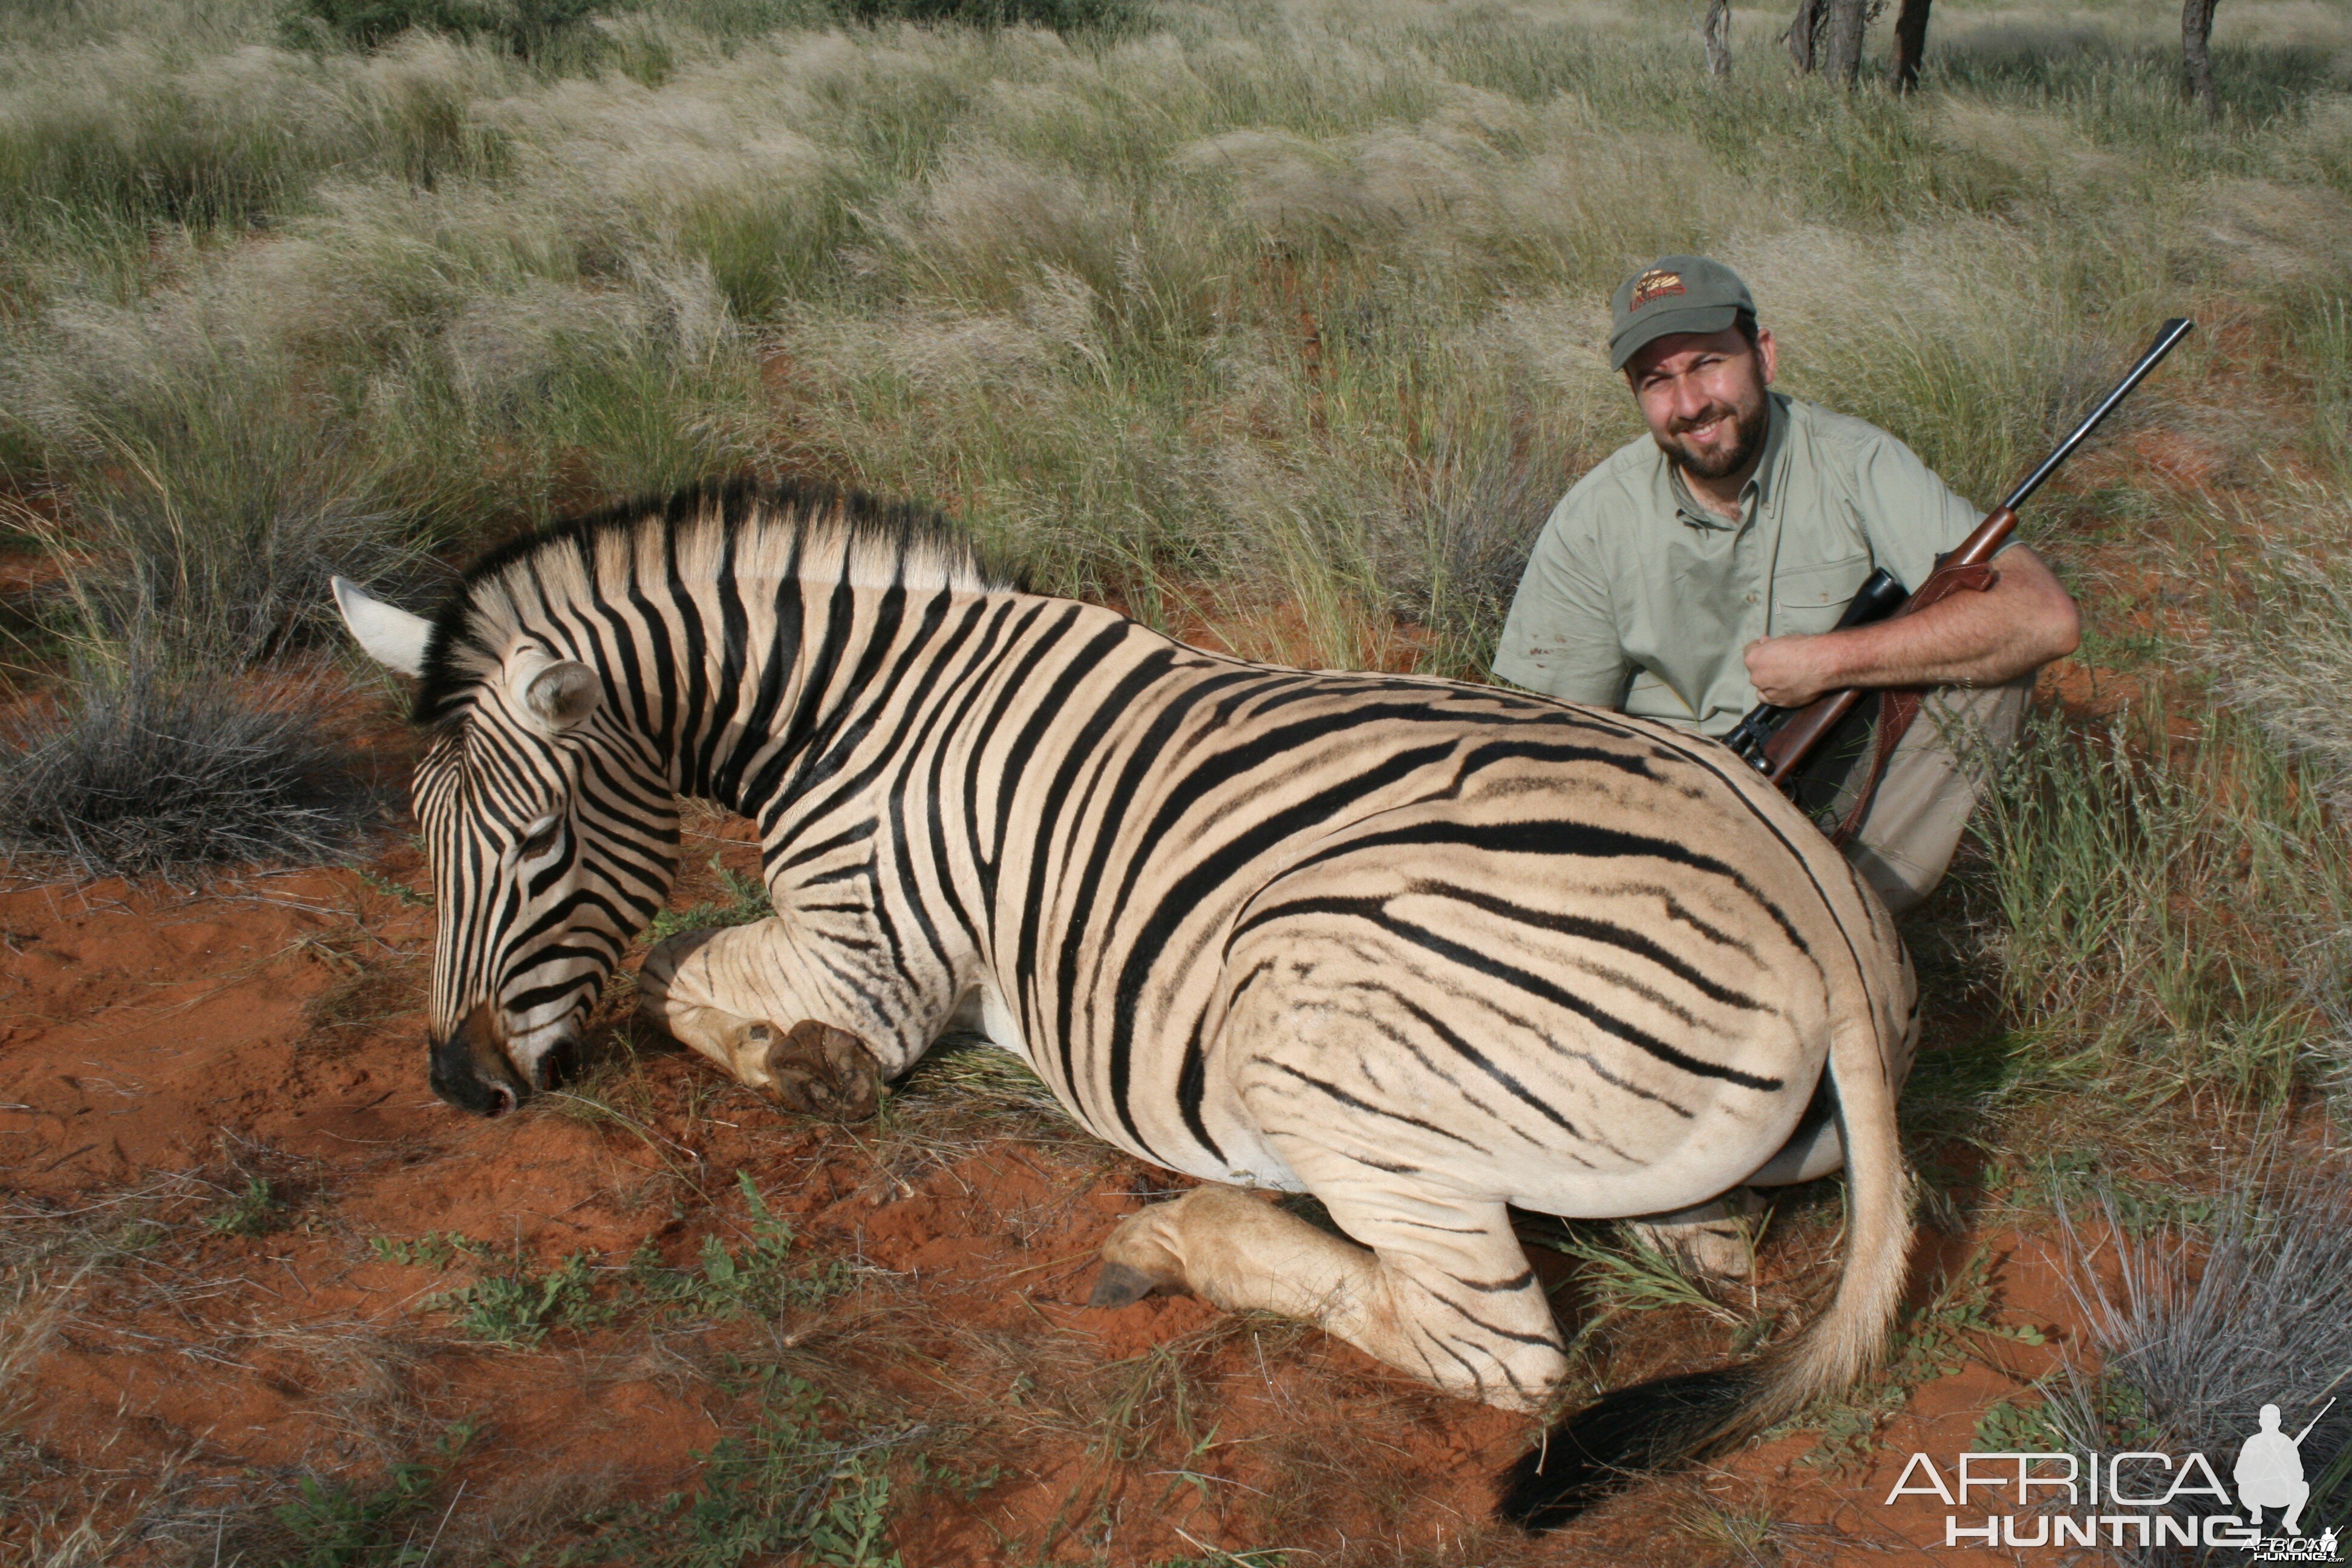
2022,622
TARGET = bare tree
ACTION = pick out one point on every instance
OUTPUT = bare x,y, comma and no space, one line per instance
2197,54
1910,44
1804,30
1841,51
1716,33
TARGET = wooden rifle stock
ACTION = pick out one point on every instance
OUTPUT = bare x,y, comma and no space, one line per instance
1805,728
1795,737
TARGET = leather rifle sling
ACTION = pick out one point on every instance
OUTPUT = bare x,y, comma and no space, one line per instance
1898,706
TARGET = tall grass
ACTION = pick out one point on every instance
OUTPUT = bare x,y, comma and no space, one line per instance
1251,295
1249,305
2157,902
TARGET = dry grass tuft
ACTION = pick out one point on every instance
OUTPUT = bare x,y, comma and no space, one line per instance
2207,1324
147,774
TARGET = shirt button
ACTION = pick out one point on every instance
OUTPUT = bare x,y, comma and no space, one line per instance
1751,598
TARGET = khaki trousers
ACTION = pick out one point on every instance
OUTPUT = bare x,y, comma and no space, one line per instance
1931,785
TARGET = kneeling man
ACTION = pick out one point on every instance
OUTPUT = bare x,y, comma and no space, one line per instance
1690,576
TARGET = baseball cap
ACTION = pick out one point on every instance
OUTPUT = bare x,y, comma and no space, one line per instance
1675,294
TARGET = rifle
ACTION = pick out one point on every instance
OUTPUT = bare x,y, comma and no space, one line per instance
1777,741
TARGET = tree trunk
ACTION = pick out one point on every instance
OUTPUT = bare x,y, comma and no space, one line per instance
1804,30
1716,33
1840,52
1910,44
2197,54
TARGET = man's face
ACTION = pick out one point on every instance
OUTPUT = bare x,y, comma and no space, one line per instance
1703,394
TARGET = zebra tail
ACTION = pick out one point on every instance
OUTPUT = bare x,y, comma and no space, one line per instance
1671,1421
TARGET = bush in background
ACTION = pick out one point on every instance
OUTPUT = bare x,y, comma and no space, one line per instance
523,28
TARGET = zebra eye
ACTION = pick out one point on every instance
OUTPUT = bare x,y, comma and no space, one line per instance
541,837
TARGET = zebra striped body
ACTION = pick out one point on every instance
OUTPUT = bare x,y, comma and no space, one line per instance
1422,947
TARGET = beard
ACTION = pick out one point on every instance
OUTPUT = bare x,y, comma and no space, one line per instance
1749,427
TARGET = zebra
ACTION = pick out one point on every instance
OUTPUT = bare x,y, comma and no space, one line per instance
1424,948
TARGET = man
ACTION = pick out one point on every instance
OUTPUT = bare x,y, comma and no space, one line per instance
1691,575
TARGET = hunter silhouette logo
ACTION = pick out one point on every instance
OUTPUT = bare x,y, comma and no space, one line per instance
2270,1471
1657,284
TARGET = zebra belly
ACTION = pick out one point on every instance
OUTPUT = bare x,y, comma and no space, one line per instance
1570,1059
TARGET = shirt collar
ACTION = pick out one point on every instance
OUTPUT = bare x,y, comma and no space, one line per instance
1756,494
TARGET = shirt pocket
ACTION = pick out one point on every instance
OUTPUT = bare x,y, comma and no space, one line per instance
1812,598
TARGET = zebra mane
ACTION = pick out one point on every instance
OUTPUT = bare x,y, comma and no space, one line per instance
843,535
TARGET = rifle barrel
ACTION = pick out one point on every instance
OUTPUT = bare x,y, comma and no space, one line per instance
2166,336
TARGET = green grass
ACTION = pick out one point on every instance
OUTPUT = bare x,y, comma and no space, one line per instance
333,1524
511,1302
782,1485
253,1210
741,901
2156,904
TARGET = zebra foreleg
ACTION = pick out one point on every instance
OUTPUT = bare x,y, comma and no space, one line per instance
694,987
1445,1293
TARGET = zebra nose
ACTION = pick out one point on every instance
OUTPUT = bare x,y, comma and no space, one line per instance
470,1067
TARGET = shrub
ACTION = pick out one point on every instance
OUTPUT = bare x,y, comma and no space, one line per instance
1060,16
144,773
526,27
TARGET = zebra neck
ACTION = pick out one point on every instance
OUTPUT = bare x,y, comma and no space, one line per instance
797,679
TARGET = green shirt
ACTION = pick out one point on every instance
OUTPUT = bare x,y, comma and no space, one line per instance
1638,597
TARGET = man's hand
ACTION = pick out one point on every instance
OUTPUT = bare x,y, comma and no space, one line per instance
1788,672
2021,622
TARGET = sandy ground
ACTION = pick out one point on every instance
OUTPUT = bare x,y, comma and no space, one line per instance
159,1050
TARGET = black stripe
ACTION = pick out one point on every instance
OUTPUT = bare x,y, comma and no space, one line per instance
1375,911
1192,890
1594,930
1354,1103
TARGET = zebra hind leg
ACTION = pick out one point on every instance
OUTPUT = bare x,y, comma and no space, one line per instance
1445,1293
1713,1239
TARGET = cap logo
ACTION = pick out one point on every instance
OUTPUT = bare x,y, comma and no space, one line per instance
1655,284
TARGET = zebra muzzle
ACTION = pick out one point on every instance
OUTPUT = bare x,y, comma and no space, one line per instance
469,1067
821,1072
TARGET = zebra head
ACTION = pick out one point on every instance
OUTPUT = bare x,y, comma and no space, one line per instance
552,832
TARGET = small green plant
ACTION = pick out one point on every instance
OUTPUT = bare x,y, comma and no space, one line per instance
516,1307
339,1526
2008,1427
757,1280
399,891
434,1249
783,1487
253,1210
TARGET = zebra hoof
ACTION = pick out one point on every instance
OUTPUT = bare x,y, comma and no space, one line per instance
821,1072
1119,1286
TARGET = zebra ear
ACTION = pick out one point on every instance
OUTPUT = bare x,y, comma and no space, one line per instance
563,695
391,636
